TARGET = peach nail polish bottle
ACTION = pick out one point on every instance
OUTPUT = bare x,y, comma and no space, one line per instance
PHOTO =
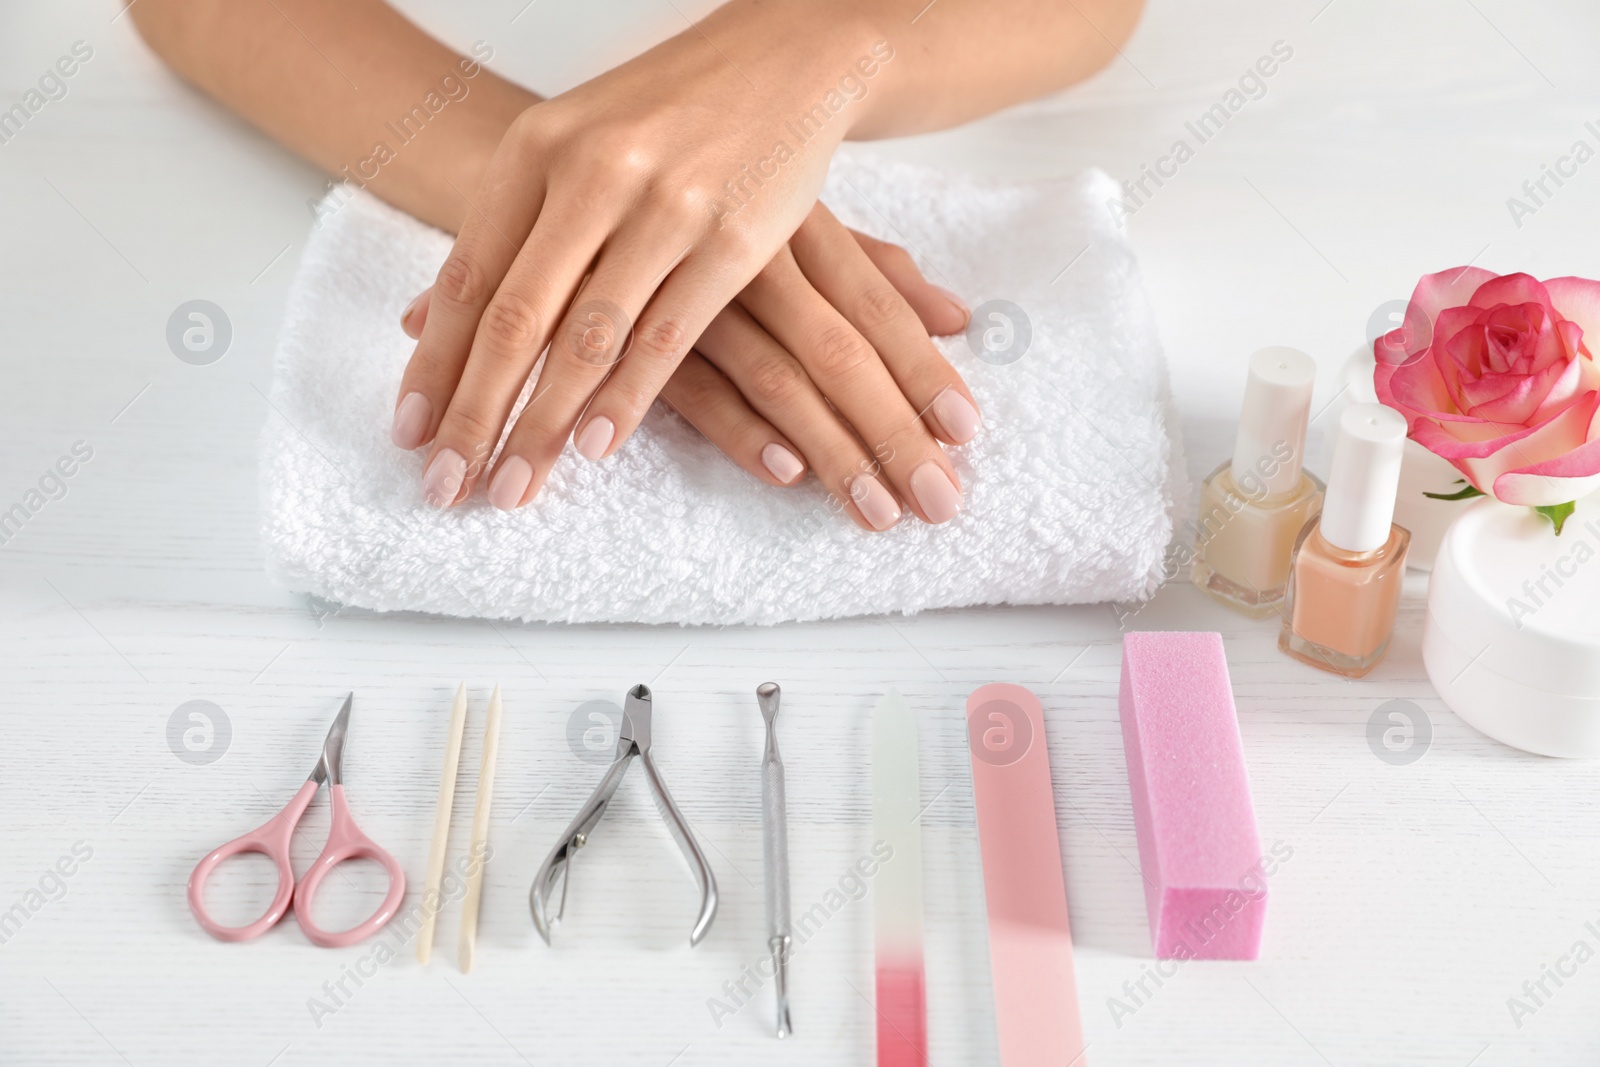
1349,561
1253,506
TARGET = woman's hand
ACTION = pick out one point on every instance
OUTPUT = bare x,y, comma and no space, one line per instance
738,358
623,216
659,190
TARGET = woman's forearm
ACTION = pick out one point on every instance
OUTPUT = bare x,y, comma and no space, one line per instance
351,86
357,89
933,63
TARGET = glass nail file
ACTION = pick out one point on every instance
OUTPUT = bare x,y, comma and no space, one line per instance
1030,939
897,890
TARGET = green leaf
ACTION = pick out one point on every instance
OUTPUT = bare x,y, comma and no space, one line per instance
1465,494
1557,513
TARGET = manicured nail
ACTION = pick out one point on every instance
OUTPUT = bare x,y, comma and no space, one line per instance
411,420
405,316
784,465
441,482
596,438
510,482
956,302
938,495
876,503
956,413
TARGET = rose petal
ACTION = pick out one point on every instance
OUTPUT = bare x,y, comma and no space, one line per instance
1571,383
1412,388
1555,481
1483,462
1522,396
1511,289
1433,294
1577,299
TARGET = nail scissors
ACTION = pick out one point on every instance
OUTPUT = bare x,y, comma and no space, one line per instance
271,839
632,740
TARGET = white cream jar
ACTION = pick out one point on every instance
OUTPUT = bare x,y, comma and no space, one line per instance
1512,637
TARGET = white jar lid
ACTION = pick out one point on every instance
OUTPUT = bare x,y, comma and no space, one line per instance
1520,600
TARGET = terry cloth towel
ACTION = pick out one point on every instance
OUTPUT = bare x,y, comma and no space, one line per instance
1070,487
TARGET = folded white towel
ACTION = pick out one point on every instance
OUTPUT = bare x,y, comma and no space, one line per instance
1070,487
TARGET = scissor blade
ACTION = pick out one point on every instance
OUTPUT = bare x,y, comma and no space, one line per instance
331,764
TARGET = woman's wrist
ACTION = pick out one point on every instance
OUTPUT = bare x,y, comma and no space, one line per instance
819,63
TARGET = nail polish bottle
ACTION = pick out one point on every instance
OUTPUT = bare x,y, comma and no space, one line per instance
1254,505
1349,561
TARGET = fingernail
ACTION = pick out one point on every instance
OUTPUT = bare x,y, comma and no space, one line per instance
956,302
596,438
510,482
405,316
956,413
784,465
876,503
411,419
936,493
441,482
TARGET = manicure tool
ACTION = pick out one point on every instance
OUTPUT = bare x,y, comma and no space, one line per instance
775,852
478,849
1030,938
431,901
272,838
897,893
633,740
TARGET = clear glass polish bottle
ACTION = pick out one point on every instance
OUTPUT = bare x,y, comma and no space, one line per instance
1350,561
1254,505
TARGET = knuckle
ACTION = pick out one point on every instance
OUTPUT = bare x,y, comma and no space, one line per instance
461,280
510,323
472,431
881,305
893,253
597,332
739,245
661,340
701,393
775,381
839,352
630,396
611,156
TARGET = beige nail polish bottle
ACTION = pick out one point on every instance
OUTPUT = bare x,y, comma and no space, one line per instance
1254,505
1350,561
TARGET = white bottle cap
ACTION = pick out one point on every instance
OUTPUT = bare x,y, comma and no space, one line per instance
1271,443
1358,508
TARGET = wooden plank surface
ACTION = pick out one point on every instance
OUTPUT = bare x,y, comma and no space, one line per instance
1415,900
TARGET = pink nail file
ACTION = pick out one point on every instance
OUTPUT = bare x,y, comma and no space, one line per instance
1030,939
1198,847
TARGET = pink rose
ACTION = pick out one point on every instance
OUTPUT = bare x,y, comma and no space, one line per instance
1492,374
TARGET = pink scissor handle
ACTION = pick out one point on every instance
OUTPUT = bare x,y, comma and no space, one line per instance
347,842
271,839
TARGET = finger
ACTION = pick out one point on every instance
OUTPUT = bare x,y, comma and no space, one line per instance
501,219
692,294
838,268
515,327
595,335
777,387
703,395
415,316
942,312
850,373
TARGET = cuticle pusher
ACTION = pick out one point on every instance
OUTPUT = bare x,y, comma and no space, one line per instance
775,853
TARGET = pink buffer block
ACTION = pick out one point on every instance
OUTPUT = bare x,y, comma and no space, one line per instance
1199,850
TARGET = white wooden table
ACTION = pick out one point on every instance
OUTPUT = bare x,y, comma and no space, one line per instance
1418,897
